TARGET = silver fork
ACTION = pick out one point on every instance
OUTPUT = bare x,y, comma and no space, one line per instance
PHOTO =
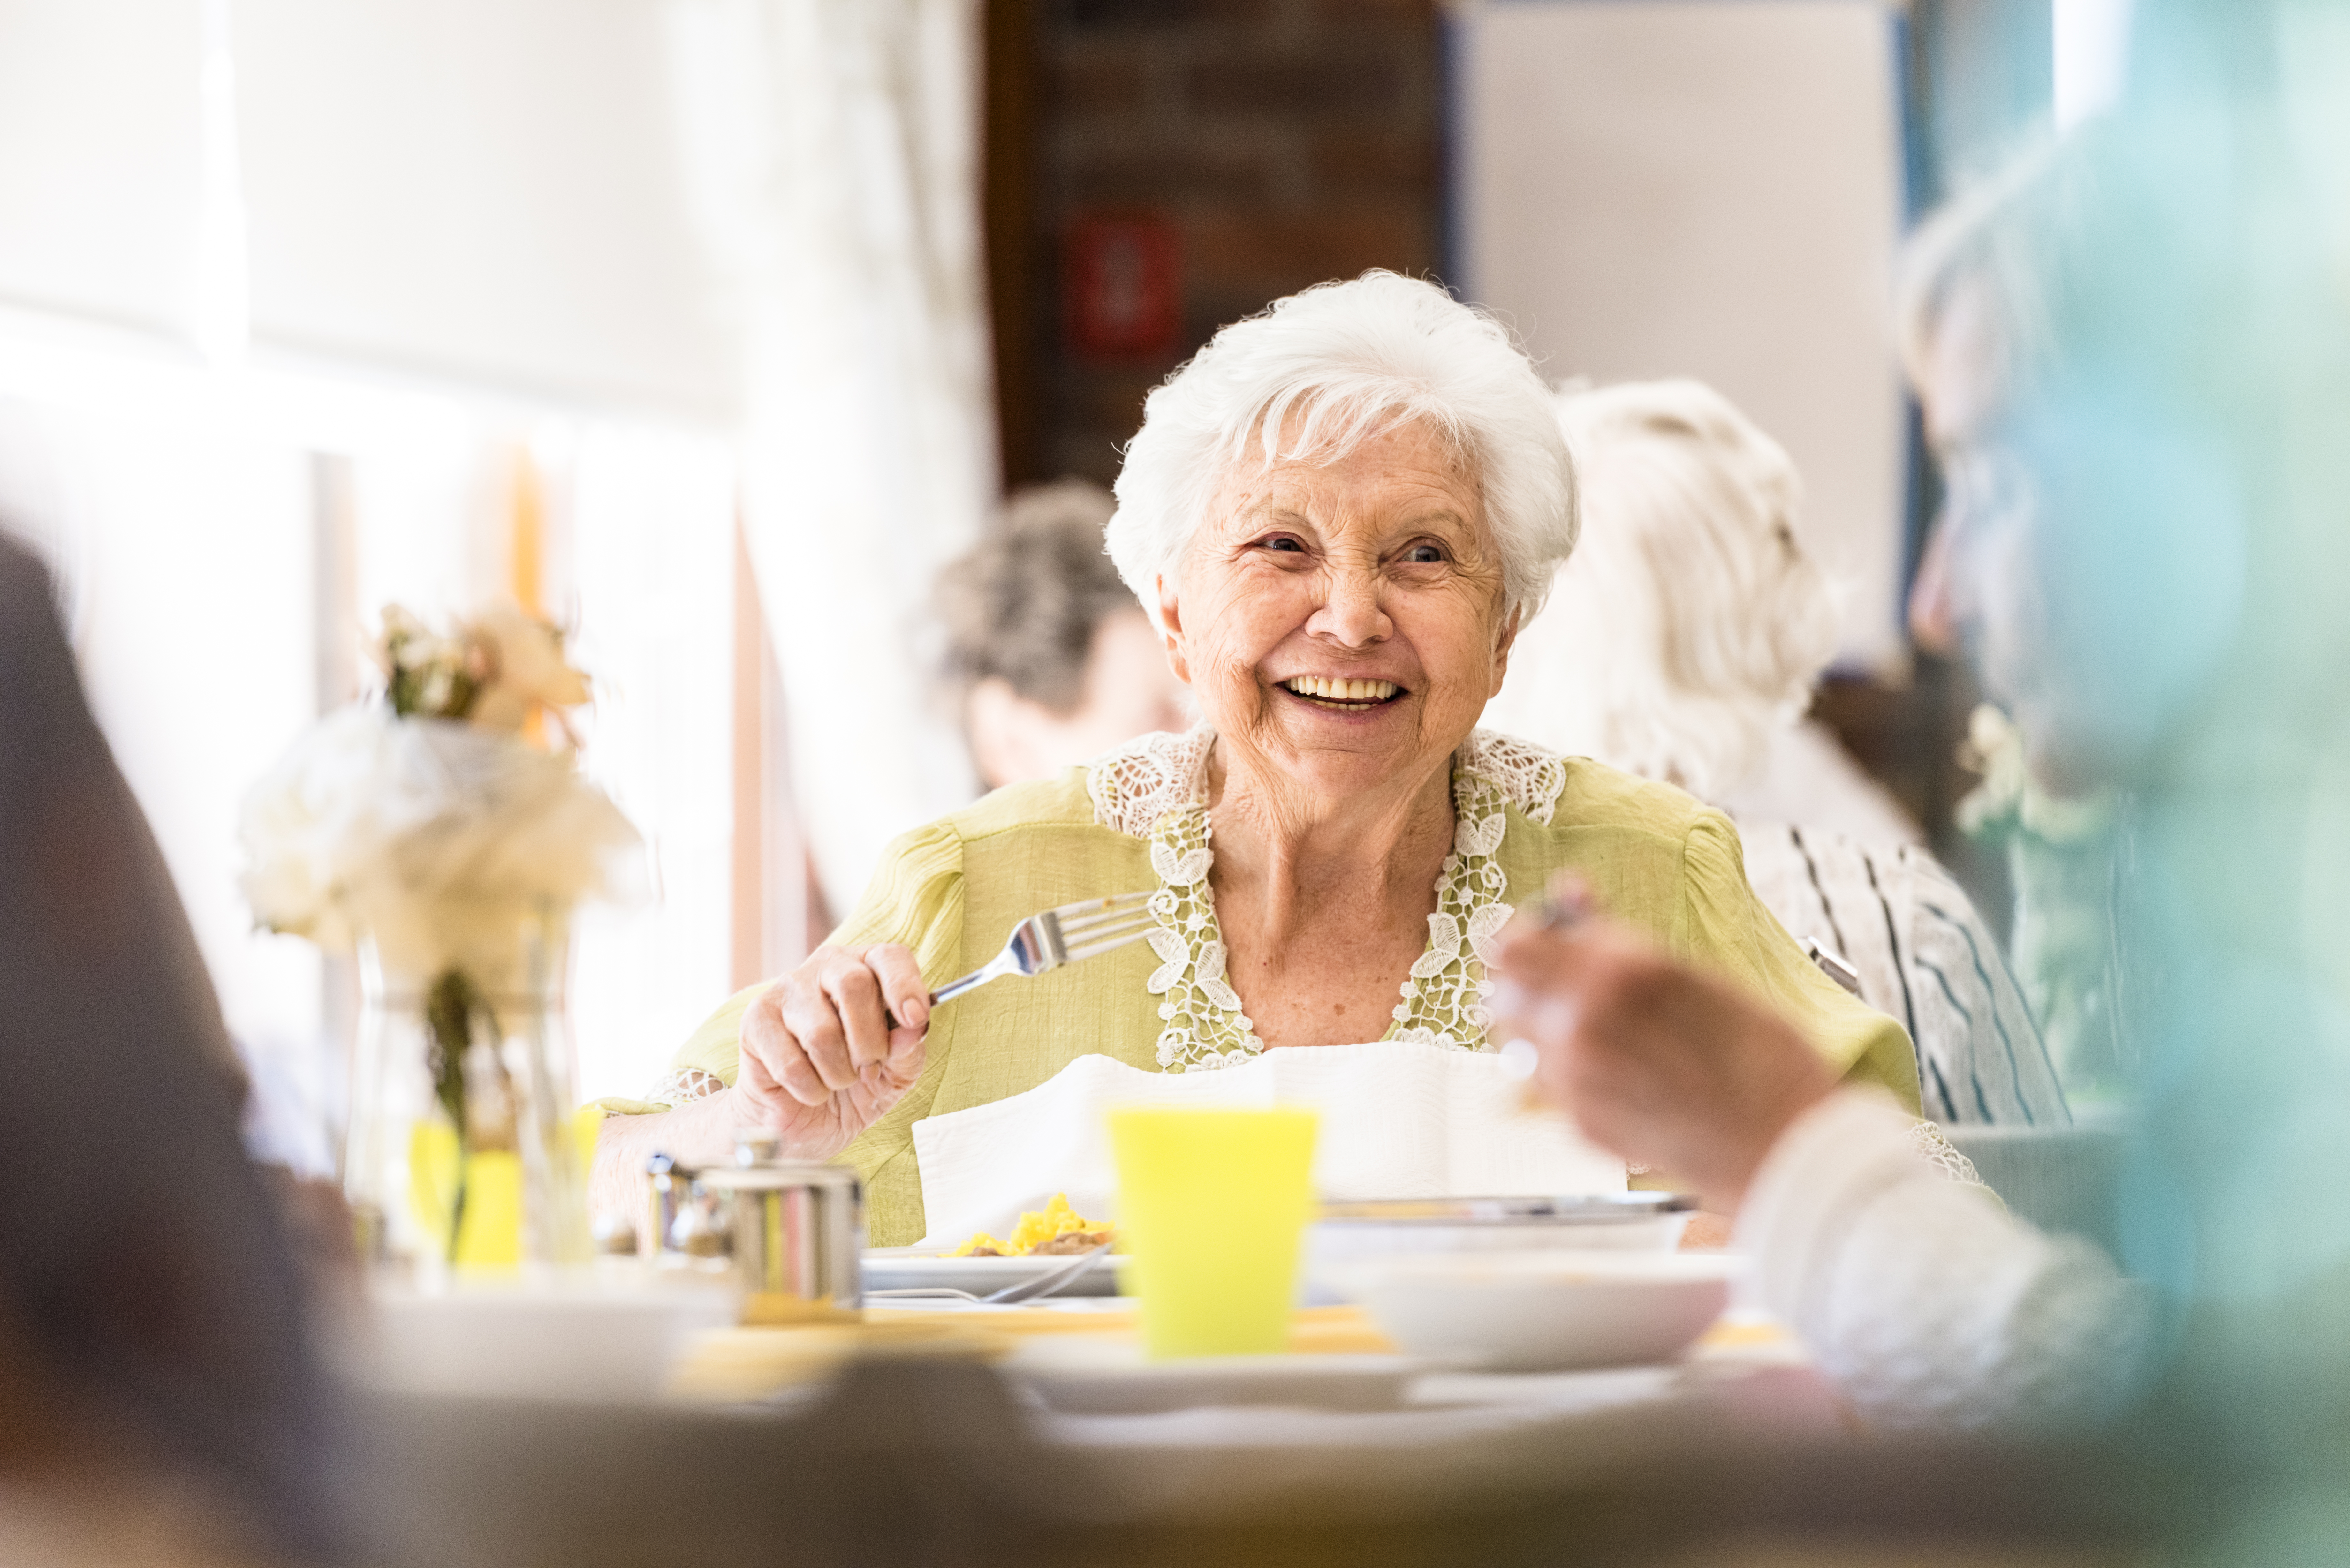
1070,934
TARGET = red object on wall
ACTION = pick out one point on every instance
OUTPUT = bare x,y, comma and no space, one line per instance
1122,287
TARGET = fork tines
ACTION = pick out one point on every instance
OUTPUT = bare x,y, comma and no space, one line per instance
1096,925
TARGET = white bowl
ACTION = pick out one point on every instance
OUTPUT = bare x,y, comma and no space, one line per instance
610,1343
1518,1311
1351,1235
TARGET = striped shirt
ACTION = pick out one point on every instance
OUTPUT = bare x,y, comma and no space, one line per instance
1925,957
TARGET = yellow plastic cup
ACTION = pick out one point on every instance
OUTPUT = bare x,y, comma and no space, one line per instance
1213,1204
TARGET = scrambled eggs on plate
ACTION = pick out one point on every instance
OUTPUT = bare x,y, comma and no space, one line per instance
1056,1229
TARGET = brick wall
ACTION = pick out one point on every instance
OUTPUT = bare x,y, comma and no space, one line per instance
1286,143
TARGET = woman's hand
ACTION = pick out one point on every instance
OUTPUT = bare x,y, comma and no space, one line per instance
1651,1061
820,1060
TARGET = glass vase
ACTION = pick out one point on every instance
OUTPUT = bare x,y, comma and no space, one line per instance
464,1150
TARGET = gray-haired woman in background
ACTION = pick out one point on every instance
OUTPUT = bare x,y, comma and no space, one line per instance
1682,643
1054,661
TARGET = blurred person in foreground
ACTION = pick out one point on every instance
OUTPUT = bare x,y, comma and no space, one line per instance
156,1397
1053,660
2135,361
2065,842
1337,514
1682,642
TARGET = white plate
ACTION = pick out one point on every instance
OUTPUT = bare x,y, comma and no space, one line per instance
1529,1310
915,1268
1090,1375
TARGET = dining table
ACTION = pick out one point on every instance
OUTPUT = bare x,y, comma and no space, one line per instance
924,1433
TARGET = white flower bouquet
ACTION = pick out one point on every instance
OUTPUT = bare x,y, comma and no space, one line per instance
426,818
444,823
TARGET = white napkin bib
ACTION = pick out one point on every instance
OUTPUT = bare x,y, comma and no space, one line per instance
1399,1120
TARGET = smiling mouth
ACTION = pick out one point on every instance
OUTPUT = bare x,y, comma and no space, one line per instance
1343,696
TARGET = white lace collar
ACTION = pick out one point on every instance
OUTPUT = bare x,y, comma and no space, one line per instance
1156,788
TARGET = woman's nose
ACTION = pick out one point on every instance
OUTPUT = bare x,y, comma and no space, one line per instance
1933,615
1352,613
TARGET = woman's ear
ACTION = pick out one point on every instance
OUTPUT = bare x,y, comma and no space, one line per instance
1170,627
1501,646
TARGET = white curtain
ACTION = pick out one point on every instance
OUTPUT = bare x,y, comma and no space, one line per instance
833,150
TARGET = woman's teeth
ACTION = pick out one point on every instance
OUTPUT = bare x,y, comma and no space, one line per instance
1331,690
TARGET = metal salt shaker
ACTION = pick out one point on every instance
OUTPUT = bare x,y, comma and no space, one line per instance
796,1231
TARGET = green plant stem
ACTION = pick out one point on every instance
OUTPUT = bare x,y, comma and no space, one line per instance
452,1005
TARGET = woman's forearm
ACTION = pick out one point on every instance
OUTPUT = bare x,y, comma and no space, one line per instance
697,1133
1927,1304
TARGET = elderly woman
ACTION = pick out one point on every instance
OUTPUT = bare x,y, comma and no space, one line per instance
1337,514
1683,643
1053,660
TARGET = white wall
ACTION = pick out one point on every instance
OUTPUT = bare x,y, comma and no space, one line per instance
488,191
1707,188
100,166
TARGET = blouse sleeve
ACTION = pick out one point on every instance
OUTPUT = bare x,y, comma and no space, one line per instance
914,899
1927,1307
1721,926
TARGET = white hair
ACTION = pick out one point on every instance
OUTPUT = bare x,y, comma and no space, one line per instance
1690,623
1320,372
2013,236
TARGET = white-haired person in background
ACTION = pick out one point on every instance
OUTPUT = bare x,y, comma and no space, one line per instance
1683,643
1336,515
1052,660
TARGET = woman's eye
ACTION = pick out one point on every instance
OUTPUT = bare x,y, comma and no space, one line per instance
1282,541
1425,554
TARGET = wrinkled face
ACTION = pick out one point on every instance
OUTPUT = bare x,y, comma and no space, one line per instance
1343,622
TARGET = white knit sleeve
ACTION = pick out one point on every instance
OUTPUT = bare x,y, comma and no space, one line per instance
1927,1304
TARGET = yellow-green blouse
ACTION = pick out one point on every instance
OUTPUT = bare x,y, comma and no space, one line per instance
1137,819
